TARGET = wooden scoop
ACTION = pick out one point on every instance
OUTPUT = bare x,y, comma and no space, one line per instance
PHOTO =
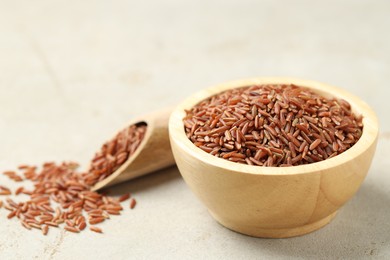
152,154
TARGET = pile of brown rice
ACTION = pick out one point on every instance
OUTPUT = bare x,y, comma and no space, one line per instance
62,196
114,153
273,125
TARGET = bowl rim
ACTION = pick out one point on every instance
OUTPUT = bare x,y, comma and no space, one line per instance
369,133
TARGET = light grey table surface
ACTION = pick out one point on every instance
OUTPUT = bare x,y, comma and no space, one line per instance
74,72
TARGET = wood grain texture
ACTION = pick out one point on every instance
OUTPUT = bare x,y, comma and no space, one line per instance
154,152
274,201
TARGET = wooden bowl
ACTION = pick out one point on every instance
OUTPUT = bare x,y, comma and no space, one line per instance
274,202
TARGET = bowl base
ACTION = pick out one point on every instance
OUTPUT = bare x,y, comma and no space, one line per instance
276,233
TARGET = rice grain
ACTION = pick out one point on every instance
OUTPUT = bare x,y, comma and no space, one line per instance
272,125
